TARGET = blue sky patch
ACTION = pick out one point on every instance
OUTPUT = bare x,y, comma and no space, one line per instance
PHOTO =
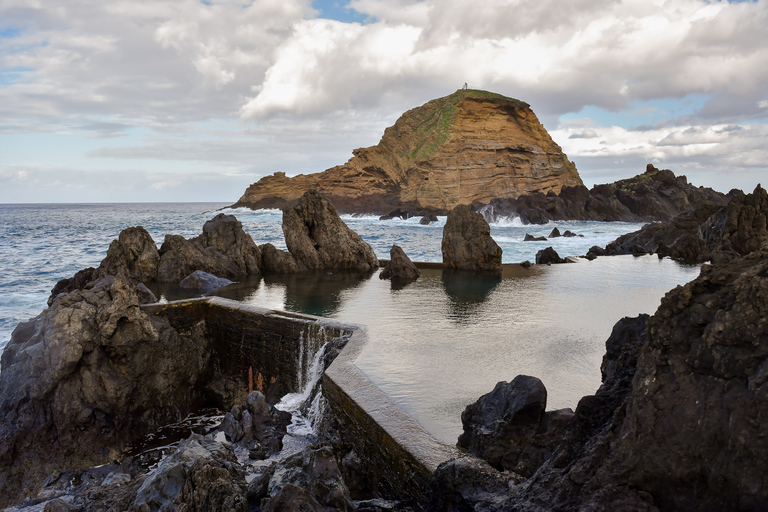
13,75
642,113
338,10
9,32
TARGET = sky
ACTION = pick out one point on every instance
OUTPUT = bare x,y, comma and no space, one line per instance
190,100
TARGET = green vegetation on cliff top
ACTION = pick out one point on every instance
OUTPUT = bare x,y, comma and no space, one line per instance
434,119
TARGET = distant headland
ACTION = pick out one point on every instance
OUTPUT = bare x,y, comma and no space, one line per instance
469,147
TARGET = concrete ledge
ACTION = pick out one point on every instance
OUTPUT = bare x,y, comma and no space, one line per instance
400,455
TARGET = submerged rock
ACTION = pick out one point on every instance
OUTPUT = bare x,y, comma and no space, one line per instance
400,266
318,238
530,238
199,280
428,219
467,242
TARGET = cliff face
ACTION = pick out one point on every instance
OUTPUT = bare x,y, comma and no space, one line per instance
471,146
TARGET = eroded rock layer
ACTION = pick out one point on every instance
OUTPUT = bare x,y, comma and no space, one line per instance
471,146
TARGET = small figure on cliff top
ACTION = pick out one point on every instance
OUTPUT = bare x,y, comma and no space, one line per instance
465,86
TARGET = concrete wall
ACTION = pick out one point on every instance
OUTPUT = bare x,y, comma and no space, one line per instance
399,455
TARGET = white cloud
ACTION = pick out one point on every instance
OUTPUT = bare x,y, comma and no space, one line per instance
305,85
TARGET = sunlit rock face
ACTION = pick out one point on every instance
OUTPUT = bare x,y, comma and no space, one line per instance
471,146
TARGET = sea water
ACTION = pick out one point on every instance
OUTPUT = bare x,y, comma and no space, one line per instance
435,345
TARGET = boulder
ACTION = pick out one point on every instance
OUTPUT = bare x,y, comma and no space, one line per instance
530,238
467,242
134,253
223,249
145,294
75,382
292,497
428,219
571,234
509,427
257,426
199,280
400,266
554,233
548,256
275,261
318,238
469,483
202,474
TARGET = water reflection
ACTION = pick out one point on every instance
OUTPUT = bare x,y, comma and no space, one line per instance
467,290
317,293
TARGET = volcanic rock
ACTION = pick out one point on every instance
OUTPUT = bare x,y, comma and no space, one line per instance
471,146
74,385
199,280
655,195
223,249
744,227
548,256
554,233
509,427
469,483
145,294
428,219
467,242
257,426
530,238
134,253
318,238
400,266
275,261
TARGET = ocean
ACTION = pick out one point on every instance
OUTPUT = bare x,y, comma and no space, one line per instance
436,345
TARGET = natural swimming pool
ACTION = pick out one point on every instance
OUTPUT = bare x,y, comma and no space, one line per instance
441,342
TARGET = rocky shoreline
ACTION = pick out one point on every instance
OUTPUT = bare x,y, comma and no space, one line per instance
676,424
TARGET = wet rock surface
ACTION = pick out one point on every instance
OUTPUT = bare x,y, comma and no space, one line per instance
400,267
318,239
199,280
257,426
467,242
275,261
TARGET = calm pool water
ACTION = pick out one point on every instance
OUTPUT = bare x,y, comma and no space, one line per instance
441,342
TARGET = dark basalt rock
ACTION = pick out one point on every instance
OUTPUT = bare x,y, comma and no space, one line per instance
744,227
467,242
257,426
570,234
554,233
428,219
548,256
74,383
275,261
656,195
145,294
468,483
199,280
318,238
531,238
134,253
313,473
400,266
223,249
509,427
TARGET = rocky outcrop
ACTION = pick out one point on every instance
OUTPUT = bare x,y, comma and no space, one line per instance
530,238
400,266
509,427
656,195
548,256
86,378
275,261
223,249
134,253
467,242
257,426
318,239
471,146
706,232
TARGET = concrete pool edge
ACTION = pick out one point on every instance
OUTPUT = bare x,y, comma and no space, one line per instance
398,455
